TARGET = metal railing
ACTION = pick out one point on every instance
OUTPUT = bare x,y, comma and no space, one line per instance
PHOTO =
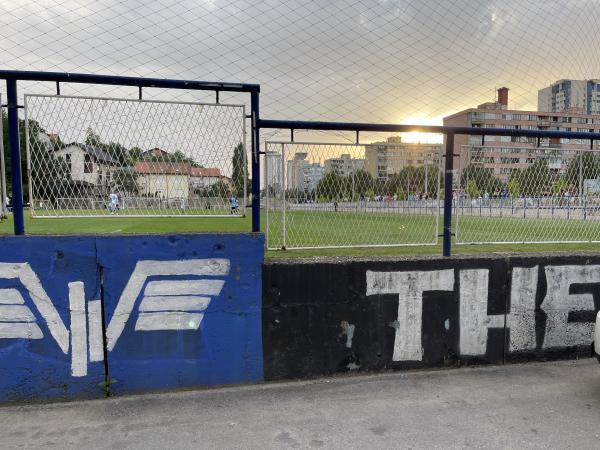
13,77
449,187
449,132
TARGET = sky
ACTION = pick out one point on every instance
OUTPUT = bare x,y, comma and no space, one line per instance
392,61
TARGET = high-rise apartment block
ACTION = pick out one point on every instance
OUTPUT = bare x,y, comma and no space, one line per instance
576,96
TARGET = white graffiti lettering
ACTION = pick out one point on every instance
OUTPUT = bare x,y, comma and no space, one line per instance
410,287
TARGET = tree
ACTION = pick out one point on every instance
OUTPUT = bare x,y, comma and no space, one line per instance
124,179
483,177
332,186
359,183
514,188
561,185
585,166
472,189
535,180
240,169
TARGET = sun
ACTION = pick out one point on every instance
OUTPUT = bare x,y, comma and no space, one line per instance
423,138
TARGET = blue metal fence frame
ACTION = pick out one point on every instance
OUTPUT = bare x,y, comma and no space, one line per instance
449,134
12,77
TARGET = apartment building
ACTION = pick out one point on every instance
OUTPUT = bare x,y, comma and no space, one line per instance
391,156
302,174
579,96
503,154
344,165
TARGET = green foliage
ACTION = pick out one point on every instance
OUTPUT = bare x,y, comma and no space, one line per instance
561,185
585,166
240,170
125,180
514,188
472,189
535,180
483,177
331,186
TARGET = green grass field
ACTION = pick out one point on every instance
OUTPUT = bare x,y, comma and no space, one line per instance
307,229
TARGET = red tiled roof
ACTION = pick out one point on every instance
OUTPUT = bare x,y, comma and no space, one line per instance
161,168
205,172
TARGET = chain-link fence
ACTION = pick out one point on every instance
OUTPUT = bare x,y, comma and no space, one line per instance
344,195
520,194
92,156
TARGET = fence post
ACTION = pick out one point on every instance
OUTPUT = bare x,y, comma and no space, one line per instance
448,181
15,156
255,117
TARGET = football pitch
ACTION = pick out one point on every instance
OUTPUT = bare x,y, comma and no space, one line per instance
320,229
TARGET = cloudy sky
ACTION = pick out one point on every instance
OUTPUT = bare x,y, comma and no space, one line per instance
399,61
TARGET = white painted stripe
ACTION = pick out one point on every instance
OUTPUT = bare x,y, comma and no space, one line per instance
16,313
11,297
184,287
174,303
78,329
168,321
142,271
42,302
20,330
95,331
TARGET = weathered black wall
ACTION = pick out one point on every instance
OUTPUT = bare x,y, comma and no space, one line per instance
310,308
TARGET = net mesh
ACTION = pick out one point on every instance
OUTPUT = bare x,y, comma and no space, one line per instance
100,157
524,194
339,195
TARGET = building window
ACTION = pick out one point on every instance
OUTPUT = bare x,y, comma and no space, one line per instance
88,165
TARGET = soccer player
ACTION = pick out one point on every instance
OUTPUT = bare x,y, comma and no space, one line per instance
113,203
233,203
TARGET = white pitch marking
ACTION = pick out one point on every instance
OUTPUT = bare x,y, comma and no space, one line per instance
16,313
174,303
95,331
11,297
145,269
20,330
184,287
168,321
78,329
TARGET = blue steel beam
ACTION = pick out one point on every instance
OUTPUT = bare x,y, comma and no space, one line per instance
65,77
436,129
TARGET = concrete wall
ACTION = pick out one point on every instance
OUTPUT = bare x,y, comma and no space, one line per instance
80,316
137,313
337,316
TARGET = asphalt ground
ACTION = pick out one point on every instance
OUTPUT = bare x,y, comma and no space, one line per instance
536,405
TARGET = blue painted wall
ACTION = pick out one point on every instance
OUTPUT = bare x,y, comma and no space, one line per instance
40,367
179,311
225,348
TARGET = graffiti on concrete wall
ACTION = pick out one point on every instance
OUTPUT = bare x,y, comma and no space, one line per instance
559,305
152,311
166,304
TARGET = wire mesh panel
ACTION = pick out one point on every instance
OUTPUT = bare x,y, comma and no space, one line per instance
92,156
341,195
523,194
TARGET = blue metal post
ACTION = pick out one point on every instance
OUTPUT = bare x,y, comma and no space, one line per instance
255,117
15,156
448,181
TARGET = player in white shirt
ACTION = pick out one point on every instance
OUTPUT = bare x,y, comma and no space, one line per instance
113,203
